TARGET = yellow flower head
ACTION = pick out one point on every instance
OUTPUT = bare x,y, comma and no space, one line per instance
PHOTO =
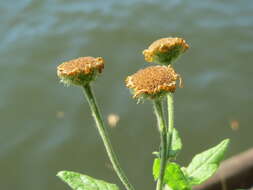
165,50
80,71
153,82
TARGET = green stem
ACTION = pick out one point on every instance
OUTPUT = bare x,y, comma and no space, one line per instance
170,103
163,134
105,137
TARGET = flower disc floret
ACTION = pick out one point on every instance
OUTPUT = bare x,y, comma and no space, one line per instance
80,71
165,50
153,82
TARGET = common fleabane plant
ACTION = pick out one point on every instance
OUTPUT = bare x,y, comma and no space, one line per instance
153,83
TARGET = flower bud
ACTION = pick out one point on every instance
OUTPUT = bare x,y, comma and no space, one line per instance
165,50
153,82
80,71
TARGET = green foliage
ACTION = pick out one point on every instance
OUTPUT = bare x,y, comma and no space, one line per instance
176,144
156,168
79,181
174,176
205,164
199,170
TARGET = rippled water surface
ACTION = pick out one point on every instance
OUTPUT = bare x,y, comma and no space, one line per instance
46,127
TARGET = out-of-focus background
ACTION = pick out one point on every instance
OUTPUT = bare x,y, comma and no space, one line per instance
46,127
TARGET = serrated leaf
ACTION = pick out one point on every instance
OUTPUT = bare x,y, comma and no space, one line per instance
176,144
79,181
173,176
205,164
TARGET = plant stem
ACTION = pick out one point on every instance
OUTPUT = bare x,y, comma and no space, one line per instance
105,137
170,104
163,134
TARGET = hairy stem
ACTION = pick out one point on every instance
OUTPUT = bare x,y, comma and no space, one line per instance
163,134
170,104
105,137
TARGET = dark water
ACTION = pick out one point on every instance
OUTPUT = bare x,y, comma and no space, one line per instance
46,127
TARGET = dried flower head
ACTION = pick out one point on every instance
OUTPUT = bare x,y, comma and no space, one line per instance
80,71
153,82
165,50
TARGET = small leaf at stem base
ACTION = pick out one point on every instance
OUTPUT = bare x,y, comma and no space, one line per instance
176,144
173,176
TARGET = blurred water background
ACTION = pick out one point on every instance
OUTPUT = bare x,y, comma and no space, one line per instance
46,127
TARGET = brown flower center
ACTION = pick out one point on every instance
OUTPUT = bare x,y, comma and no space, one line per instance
81,65
153,80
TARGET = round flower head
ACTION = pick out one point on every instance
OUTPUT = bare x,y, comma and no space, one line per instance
80,71
165,50
153,82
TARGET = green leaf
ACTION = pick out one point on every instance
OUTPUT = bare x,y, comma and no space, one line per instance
173,176
79,181
205,164
176,144
156,168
